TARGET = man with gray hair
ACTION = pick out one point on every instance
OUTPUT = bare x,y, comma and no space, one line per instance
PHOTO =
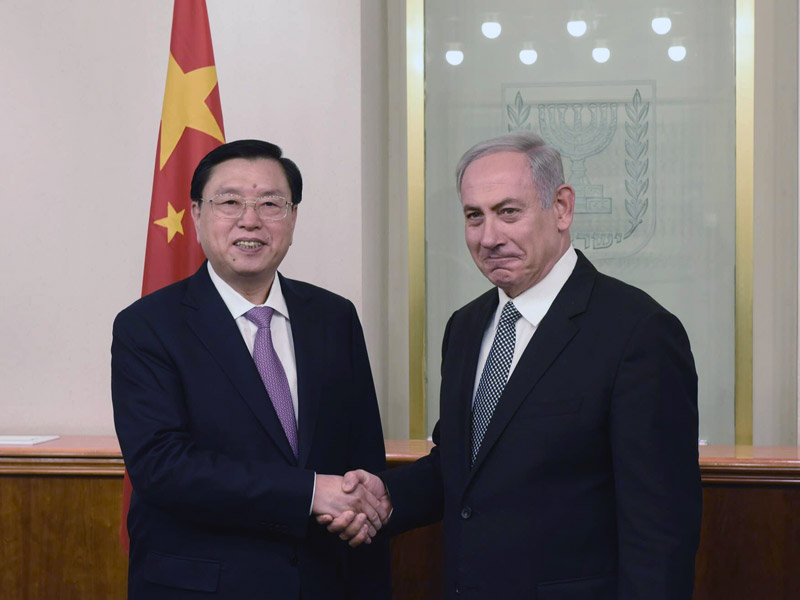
566,463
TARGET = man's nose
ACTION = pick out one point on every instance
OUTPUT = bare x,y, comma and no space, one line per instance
250,218
491,235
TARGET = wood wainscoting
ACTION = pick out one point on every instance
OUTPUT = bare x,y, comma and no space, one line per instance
60,512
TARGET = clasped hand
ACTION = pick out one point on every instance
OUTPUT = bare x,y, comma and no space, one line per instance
355,506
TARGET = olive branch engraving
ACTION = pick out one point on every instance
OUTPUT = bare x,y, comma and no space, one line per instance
636,146
518,114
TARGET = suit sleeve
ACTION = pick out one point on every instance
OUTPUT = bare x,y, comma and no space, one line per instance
417,490
653,430
368,565
169,468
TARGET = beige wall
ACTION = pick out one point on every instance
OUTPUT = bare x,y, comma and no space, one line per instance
83,83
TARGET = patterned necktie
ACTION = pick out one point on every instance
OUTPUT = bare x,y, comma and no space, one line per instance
494,376
272,374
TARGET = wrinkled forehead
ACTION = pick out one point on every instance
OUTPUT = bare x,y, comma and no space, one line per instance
497,173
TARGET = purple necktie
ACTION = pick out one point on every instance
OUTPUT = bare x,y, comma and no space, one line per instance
272,374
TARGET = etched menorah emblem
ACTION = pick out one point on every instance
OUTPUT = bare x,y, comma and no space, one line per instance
563,126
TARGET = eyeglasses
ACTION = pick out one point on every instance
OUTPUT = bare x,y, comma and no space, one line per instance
231,206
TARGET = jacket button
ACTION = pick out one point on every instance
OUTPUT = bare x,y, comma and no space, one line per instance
294,560
458,591
466,512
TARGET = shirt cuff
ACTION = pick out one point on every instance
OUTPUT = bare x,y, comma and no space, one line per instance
313,492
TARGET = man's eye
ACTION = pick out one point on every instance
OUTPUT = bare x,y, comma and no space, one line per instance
270,203
508,211
471,216
227,200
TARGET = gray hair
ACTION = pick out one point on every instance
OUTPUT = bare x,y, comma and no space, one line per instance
547,172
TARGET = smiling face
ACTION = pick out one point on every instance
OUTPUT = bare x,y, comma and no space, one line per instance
513,240
245,252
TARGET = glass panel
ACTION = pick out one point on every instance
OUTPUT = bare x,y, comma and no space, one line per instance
646,124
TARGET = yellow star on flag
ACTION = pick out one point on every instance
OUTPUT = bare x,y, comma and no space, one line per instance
185,106
173,222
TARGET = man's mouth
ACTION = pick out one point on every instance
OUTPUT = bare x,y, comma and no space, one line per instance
248,244
500,259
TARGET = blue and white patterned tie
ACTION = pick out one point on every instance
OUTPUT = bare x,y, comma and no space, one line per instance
272,374
494,376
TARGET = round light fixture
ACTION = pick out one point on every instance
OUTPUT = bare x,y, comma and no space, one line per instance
528,57
454,57
661,25
601,55
576,28
491,29
677,53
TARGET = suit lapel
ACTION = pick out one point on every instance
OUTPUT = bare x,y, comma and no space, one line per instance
308,336
211,321
555,331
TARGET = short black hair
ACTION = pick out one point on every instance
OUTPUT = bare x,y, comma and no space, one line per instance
250,150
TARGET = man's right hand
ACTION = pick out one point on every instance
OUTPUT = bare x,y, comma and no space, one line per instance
348,525
339,500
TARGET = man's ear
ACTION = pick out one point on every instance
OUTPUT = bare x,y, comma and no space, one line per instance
195,212
564,205
196,207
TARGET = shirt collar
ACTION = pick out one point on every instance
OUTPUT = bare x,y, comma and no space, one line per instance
238,305
534,302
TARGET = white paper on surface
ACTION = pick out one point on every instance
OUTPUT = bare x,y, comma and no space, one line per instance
25,440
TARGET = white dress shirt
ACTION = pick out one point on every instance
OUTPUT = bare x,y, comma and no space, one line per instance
532,304
280,326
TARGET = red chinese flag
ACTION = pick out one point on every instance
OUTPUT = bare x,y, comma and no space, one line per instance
191,126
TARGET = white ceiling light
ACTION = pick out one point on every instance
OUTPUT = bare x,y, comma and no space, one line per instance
491,29
576,28
454,57
528,56
601,55
677,53
661,25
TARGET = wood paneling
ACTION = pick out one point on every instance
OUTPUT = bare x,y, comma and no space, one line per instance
59,538
59,520
750,543
418,564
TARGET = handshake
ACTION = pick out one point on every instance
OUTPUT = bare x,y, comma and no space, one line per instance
355,506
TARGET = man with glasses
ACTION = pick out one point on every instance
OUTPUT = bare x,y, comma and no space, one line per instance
240,398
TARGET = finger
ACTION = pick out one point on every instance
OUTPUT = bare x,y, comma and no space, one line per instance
354,527
352,479
341,522
324,519
362,500
362,538
370,506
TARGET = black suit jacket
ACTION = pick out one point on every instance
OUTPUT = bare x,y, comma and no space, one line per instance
220,507
587,483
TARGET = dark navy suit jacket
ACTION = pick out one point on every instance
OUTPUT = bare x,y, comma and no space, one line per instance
220,507
587,485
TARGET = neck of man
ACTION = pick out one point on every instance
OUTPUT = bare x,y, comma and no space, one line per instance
255,289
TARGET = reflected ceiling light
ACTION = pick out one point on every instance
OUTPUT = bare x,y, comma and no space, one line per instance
576,28
491,29
454,57
528,56
601,55
661,25
677,53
